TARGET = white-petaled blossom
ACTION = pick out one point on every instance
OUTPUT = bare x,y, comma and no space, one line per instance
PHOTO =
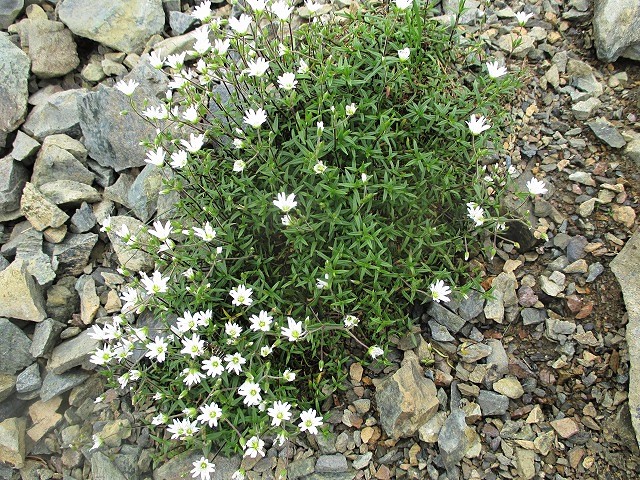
312,6
106,333
257,5
496,70
403,4
364,177
287,81
351,321
176,60
193,346
257,67
255,118
536,187
194,144
190,114
234,362
202,468
238,475
213,366
156,284
238,143
156,113
210,414
293,331
475,213
102,356
523,17
251,393
98,441
320,127
241,295
261,322
310,421
192,376
203,11
232,329
286,220
281,9
404,54
240,25
220,47
106,224
202,43
254,447
303,68
288,375
440,291
285,202
265,351
279,412
161,232
375,351
179,159
477,125
350,109
157,349
239,165
323,282
127,87
182,429
320,167
160,419
207,233
155,60
156,157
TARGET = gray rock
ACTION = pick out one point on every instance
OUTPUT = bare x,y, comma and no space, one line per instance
473,352
575,248
498,356
63,300
144,192
301,468
632,150
113,140
494,308
12,444
24,237
453,442
350,475
616,29
14,74
401,413
181,22
445,317
550,287
556,329
526,45
39,264
14,348
93,72
583,78
510,387
70,193
113,69
586,108
439,332
625,268
24,147
54,385
20,296
533,316
72,353
470,13
606,131
9,11
331,463
45,336
430,431
58,114
492,404
471,306
13,177
362,461
122,25
131,259
7,386
175,468
89,301
29,379
54,164
595,270
52,50
83,220
103,469
73,253
41,212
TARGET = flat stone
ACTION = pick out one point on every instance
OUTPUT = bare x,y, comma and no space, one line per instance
7,385
143,194
331,463
583,110
69,193
83,219
52,50
582,76
9,11
20,296
72,353
45,336
54,385
510,387
494,308
471,306
14,348
625,215
14,75
430,431
24,147
506,44
181,22
44,418
73,253
12,446
41,212
473,352
29,379
59,113
54,163
439,332
104,469
525,463
549,287
607,132
616,28
175,468
583,178
533,316
452,441
445,317
300,468
492,404
498,356
13,177
595,270
566,427
362,461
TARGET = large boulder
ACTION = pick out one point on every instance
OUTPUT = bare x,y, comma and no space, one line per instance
14,74
616,28
124,25
9,10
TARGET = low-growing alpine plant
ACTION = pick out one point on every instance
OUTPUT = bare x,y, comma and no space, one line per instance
328,178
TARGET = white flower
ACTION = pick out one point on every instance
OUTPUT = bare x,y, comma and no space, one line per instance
495,70
310,421
238,143
279,412
440,291
179,159
238,165
403,54
403,4
156,113
203,11
350,109
213,366
255,118
106,224
232,329
375,351
241,295
364,177
319,167
238,475
286,220
320,127
194,144
160,419
102,356
475,213
351,321
257,67
294,330
240,25
161,232
477,125
281,9
257,5
288,375
282,49
285,202
251,393
220,47
176,61
156,157
156,284
99,399
287,81
185,323
207,233
202,43
182,429
203,468
523,17
536,187
155,60
304,68
97,442
191,114
193,346
127,87
234,362
210,414
261,322
312,6
265,351
192,376
157,349
322,282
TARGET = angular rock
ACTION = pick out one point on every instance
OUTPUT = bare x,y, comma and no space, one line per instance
54,385
13,177
131,259
73,253
616,29
9,11
104,469
439,332
299,468
83,220
624,214
70,193
20,296
14,74
144,192
405,400
606,131
12,447
24,147
533,316
7,385
582,77
566,427
498,356
470,13
525,463
14,348
72,353
29,379
430,431
509,387
45,336
175,468
89,301
44,418
63,300
52,50
56,164
445,317
492,404
471,306
453,442
181,22
331,463
473,352
39,210
58,114
584,109
23,236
